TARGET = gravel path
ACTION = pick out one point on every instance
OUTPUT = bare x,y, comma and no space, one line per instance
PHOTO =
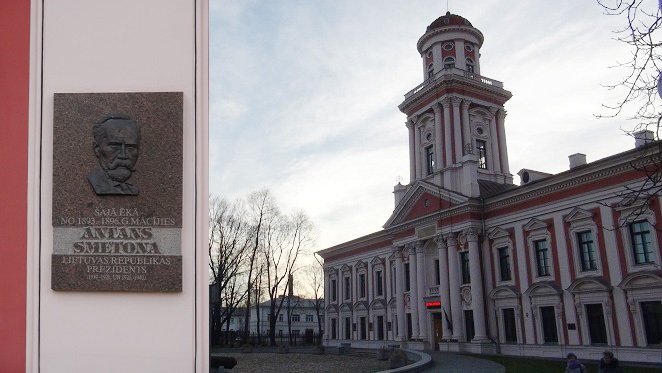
303,363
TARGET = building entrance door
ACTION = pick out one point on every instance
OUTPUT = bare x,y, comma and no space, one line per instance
436,325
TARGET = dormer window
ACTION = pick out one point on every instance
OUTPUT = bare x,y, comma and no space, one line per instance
470,65
449,62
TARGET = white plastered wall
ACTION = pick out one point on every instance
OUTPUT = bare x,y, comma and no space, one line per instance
118,46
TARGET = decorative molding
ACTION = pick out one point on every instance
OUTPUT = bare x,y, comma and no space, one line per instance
578,214
497,232
456,101
534,224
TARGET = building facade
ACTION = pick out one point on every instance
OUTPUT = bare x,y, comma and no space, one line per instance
302,313
470,262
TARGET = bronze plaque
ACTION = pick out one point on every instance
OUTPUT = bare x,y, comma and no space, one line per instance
117,191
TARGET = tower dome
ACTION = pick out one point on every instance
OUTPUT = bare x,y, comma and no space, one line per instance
448,19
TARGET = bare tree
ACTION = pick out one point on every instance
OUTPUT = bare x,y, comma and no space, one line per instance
316,284
228,241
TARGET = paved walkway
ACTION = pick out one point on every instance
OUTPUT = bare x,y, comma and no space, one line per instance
447,362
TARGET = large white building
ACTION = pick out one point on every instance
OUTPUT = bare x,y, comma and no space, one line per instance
468,261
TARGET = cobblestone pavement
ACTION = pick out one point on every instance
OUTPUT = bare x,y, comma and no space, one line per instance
447,362
303,363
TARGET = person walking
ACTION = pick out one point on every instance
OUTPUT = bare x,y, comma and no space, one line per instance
574,366
609,364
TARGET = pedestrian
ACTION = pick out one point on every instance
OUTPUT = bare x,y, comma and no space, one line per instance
609,364
574,366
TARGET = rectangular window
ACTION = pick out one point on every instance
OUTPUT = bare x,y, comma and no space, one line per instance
362,328
409,327
596,323
542,257
309,318
295,332
504,263
407,284
334,334
380,283
334,290
509,327
280,332
280,317
296,317
348,328
651,312
464,266
640,237
347,293
362,285
481,149
394,281
469,325
586,251
437,274
429,159
380,327
548,319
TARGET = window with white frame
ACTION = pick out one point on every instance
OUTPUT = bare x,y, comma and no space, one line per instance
362,285
347,289
481,149
379,283
280,317
504,263
309,318
639,237
587,256
542,257
470,65
641,241
539,243
430,71
449,62
583,234
502,255
334,290
296,317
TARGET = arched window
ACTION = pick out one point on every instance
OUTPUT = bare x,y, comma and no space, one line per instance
449,62
470,65
430,71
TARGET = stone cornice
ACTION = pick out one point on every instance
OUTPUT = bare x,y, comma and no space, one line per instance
442,30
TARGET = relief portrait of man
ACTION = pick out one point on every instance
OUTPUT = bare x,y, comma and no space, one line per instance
116,146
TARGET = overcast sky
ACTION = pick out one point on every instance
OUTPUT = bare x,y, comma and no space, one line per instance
304,96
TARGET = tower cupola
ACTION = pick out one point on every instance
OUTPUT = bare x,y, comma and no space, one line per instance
450,42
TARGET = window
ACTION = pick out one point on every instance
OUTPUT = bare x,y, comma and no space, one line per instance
596,323
464,266
481,148
280,317
468,48
380,328
548,320
309,318
363,328
393,281
430,71
296,317
509,327
504,263
334,335
586,251
348,328
449,62
542,257
334,290
448,46
640,237
409,326
429,159
380,283
347,292
469,324
407,282
280,332
651,313
437,274
362,285
470,65
295,332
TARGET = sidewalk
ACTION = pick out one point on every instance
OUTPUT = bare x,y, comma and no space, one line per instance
447,362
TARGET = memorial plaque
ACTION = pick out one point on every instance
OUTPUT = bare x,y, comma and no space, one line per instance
117,192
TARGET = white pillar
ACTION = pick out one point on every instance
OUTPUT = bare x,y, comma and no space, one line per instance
496,143
466,127
400,293
477,298
421,290
454,287
444,285
438,135
412,159
448,156
327,301
457,128
501,129
413,292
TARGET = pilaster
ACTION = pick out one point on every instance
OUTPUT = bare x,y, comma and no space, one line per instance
454,287
444,295
420,286
438,136
477,297
413,291
457,128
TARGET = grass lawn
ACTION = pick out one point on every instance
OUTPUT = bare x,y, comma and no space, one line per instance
522,364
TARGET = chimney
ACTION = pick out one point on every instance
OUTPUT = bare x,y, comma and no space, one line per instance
576,160
290,285
643,137
399,191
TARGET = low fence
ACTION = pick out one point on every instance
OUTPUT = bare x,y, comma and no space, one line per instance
233,338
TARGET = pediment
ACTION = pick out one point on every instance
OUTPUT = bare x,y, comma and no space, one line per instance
544,288
333,308
360,264
378,304
534,224
377,261
392,302
345,268
497,232
505,292
578,214
422,199
346,307
361,306
589,285
642,280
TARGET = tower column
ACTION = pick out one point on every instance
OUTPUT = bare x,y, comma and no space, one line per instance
438,143
501,130
327,301
454,287
496,155
448,156
477,300
420,288
412,158
444,295
417,152
457,128
466,127
413,292
400,293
